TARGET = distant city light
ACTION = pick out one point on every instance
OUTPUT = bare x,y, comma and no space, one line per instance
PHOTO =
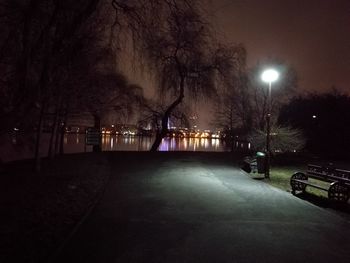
314,116
215,135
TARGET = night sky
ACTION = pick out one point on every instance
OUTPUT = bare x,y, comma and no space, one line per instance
311,35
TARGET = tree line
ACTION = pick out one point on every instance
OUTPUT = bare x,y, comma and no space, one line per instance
62,57
325,122
57,58
316,123
242,106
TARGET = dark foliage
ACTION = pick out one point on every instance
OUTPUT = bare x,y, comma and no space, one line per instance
325,121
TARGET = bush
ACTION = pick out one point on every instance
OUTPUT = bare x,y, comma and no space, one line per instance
282,139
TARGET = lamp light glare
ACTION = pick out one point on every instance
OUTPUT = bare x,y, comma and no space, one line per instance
269,75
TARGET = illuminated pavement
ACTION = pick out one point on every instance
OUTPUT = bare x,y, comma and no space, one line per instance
174,208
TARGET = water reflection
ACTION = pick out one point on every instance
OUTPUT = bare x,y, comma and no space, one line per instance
16,149
191,144
125,143
76,143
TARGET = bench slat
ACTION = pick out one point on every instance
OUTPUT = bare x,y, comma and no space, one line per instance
342,174
343,171
320,177
341,179
306,182
328,178
329,175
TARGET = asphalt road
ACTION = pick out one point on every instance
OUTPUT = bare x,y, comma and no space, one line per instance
196,208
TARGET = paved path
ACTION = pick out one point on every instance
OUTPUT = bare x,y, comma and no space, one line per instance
190,209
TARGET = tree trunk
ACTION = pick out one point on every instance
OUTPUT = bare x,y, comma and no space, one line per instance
231,129
58,128
59,131
38,141
57,137
164,129
63,130
97,125
51,151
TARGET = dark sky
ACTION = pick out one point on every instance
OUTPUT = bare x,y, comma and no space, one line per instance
311,35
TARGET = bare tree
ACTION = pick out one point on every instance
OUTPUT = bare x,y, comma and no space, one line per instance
40,35
283,139
243,104
176,43
152,114
232,111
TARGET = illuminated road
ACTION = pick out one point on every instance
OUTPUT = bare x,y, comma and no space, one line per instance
191,208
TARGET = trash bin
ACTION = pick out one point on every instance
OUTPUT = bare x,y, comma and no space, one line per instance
261,162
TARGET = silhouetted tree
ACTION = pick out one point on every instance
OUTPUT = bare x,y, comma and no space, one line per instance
232,109
39,34
176,44
242,104
152,113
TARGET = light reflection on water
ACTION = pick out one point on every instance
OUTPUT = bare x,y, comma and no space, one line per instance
191,144
76,143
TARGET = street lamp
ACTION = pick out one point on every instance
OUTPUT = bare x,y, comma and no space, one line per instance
268,76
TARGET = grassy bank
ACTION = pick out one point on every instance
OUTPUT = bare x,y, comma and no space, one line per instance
280,178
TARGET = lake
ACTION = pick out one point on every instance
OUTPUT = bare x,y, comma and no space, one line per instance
76,143
14,148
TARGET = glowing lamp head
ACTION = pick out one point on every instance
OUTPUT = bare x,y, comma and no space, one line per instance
269,75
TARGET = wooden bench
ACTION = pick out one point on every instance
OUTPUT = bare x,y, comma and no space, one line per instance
339,179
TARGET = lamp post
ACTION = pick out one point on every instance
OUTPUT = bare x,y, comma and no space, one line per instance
268,76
